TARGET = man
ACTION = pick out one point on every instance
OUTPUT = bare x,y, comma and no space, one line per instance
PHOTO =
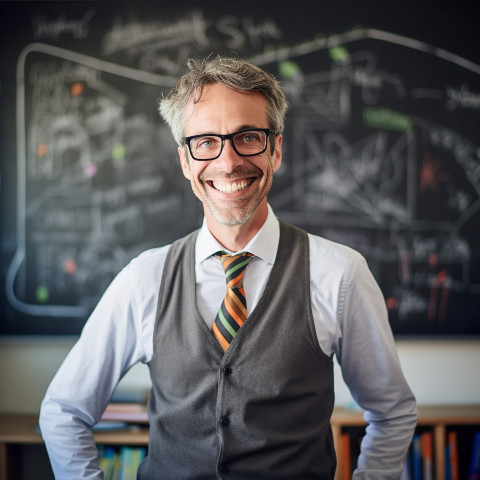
236,400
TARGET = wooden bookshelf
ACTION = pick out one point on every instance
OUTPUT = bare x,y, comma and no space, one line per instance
435,418
19,431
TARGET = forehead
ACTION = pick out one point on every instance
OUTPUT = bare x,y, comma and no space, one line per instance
222,109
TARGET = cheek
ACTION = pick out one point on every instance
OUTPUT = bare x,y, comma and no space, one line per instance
191,171
194,175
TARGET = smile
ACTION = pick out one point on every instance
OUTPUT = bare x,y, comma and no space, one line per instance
231,187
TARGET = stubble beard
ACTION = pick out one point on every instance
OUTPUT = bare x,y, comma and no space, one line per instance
237,216
239,211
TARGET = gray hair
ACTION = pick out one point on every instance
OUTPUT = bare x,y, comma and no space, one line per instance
232,72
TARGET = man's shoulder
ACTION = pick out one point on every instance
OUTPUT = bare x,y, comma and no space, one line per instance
325,247
151,259
320,246
154,258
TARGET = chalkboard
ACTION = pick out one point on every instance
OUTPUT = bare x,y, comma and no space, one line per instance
381,150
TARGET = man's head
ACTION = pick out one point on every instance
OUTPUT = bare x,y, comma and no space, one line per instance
227,117
234,73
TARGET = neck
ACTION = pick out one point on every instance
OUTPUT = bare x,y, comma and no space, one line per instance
235,237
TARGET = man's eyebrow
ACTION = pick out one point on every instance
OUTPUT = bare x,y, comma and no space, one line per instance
246,127
238,129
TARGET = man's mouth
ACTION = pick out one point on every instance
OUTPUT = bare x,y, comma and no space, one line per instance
231,187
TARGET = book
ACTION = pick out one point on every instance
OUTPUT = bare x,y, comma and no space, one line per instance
416,458
130,460
454,467
127,406
109,462
120,464
426,441
447,462
474,472
125,412
346,467
107,426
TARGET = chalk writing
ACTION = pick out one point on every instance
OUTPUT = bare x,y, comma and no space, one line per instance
43,28
122,36
462,97
369,160
243,30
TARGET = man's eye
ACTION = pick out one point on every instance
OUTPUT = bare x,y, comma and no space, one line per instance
206,142
249,137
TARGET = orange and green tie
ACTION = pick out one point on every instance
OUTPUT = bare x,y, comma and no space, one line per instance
233,311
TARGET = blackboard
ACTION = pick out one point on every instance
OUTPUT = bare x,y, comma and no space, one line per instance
381,151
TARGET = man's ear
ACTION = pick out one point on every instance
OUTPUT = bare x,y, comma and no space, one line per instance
182,153
277,153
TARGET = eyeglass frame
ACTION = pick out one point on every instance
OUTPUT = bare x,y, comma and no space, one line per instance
229,136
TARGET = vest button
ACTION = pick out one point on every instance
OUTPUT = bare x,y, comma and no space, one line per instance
224,421
222,468
227,370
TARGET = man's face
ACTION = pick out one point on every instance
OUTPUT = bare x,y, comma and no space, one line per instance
232,188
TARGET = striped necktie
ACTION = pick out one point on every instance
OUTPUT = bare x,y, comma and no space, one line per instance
233,311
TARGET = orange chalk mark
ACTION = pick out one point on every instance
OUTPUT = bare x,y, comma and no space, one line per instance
70,267
430,174
77,89
42,149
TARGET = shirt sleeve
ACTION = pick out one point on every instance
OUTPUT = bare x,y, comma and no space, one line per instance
109,345
372,371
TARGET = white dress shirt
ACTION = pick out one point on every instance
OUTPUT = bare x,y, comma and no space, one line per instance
350,321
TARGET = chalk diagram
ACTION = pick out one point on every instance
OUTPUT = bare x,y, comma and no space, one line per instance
363,165
379,164
93,177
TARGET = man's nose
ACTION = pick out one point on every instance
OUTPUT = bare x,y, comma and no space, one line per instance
229,158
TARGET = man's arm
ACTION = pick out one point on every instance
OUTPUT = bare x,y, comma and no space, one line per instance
371,369
75,400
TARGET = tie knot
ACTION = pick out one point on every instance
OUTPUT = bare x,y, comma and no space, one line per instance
234,266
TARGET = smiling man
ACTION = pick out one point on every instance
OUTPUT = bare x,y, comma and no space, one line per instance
238,322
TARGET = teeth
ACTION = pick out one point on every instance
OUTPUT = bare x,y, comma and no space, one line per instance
231,187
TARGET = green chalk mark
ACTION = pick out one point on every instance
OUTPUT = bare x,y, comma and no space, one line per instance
288,69
119,151
386,119
338,54
42,294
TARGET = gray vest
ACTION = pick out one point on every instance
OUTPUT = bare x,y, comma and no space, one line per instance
262,410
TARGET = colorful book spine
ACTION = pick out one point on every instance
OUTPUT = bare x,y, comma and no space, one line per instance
120,464
109,462
346,467
453,456
427,455
416,457
474,473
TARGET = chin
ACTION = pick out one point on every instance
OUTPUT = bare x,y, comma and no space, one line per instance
232,218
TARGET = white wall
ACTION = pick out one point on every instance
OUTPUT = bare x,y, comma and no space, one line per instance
439,372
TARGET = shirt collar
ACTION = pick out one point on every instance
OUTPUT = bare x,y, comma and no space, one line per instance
264,244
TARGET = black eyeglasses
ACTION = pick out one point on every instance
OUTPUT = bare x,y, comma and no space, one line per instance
246,143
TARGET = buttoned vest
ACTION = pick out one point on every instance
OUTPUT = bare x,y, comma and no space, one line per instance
261,410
